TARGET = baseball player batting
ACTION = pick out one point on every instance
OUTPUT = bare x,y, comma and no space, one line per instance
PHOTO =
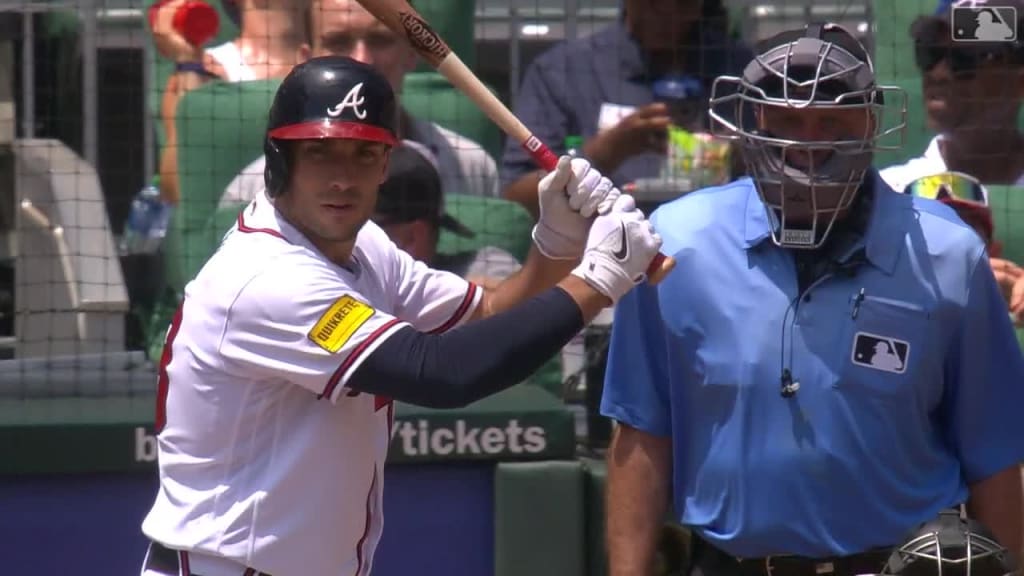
279,369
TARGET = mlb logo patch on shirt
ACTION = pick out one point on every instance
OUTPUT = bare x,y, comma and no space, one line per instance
880,352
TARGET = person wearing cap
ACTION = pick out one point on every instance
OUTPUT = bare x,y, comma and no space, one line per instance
837,365
276,388
346,28
972,98
410,209
601,89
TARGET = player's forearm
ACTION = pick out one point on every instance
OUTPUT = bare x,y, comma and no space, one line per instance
481,358
524,191
639,471
537,275
998,503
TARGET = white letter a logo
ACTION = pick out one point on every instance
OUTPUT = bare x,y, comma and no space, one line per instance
354,99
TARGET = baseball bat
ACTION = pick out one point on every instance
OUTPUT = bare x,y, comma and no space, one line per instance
400,17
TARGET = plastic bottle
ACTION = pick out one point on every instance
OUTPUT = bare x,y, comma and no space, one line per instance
574,145
147,222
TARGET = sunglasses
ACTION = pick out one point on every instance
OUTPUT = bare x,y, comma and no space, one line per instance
949,186
963,193
962,61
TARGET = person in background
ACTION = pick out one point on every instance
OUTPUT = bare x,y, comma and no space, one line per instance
271,33
969,198
972,97
410,209
345,28
600,89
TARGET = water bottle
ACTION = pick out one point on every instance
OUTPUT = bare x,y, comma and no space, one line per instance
574,145
146,226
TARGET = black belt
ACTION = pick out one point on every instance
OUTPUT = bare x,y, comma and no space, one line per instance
166,560
714,562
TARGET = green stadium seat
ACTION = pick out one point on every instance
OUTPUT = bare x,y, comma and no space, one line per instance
495,221
221,128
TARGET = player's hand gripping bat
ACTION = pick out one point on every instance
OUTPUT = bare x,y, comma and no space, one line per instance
400,17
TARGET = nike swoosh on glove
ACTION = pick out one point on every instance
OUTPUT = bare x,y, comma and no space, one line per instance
619,249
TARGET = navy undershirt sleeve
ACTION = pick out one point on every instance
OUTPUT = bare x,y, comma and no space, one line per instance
473,361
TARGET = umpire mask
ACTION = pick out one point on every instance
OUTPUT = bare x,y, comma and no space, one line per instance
950,546
785,112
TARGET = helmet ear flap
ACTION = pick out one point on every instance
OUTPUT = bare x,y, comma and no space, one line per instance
275,173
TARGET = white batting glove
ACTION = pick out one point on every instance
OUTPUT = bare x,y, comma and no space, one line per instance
620,247
569,196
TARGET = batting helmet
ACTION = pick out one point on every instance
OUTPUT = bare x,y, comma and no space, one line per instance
327,97
950,546
821,67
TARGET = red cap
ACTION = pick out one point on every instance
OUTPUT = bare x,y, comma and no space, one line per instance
197,21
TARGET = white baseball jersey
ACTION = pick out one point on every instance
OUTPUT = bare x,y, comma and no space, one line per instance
265,456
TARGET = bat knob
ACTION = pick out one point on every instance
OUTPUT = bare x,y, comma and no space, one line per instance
660,266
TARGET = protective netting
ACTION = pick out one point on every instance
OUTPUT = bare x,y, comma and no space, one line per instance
131,134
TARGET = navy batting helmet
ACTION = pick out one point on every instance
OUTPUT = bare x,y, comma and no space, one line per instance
950,546
327,97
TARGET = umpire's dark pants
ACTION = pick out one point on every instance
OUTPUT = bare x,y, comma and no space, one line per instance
706,560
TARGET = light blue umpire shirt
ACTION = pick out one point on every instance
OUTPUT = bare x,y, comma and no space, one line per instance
911,379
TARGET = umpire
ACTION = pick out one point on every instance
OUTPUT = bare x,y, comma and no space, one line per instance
835,368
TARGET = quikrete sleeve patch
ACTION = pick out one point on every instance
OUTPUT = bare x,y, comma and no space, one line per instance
339,323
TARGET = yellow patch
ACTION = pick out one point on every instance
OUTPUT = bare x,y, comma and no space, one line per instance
339,323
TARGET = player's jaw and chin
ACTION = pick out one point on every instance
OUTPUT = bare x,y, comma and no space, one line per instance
332,190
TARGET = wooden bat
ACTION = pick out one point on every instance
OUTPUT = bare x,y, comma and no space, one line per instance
400,17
